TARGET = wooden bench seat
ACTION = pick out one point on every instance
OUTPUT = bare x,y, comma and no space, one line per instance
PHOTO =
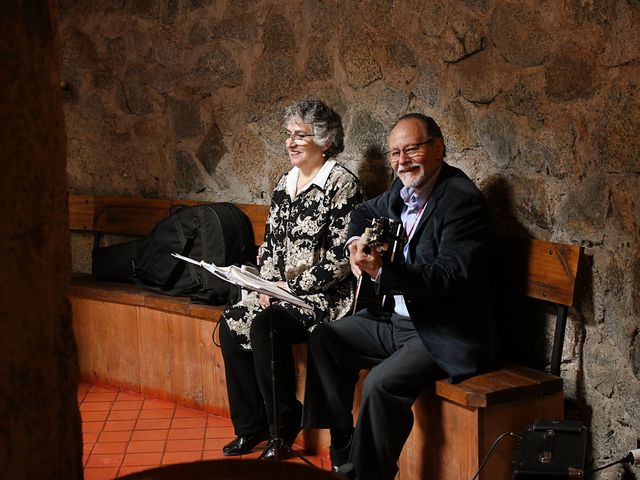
86,286
160,345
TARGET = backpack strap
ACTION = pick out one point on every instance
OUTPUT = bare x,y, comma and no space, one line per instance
240,220
188,242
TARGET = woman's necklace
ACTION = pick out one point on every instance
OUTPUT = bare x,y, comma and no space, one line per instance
299,188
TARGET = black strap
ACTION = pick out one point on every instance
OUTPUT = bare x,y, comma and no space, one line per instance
240,231
188,242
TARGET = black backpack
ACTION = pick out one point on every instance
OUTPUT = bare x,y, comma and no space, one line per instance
218,233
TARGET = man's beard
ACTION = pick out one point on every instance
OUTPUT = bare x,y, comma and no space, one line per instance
411,178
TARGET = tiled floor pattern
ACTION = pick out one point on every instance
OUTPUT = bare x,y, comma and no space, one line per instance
124,432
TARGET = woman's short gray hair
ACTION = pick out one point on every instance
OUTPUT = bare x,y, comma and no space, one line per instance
326,124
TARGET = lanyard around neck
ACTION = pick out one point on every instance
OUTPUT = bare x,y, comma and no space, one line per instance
413,225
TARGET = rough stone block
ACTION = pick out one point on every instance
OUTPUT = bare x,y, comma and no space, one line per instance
497,135
360,59
618,136
187,177
212,149
186,118
582,210
570,75
277,78
243,29
623,44
480,77
219,68
520,33
278,35
526,97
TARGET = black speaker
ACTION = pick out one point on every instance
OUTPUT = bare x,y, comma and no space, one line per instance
552,450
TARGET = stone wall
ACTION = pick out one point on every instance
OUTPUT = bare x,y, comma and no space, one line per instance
539,102
40,433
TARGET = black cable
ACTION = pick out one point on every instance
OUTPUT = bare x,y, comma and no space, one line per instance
628,458
486,457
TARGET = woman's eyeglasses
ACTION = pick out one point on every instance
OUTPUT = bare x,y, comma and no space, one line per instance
296,137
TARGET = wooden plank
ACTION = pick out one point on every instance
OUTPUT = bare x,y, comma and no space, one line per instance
425,413
138,216
85,286
538,269
209,313
88,319
169,304
499,386
214,386
129,215
107,342
154,347
443,445
184,353
81,212
120,345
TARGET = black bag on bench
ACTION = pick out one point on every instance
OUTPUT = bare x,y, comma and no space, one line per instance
217,233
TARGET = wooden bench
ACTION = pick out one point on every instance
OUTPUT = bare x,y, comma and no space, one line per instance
131,338
161,346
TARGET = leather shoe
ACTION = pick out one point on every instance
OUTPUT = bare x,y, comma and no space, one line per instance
244,443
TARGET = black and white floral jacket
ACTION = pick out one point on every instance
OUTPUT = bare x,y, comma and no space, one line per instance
304,246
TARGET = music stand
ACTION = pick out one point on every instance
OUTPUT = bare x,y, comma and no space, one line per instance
277,440
252,282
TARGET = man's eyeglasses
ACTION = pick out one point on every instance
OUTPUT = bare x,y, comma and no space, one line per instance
410,151
296,137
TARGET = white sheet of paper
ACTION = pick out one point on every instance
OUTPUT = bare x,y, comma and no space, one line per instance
248,281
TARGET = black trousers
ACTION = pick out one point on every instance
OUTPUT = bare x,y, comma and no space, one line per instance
248,373
401,367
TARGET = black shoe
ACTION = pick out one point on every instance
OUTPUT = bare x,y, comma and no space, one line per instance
339,457
244,443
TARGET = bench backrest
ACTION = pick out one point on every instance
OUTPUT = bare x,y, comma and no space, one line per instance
541,270
138,216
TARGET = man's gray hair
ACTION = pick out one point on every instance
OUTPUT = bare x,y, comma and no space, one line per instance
325,123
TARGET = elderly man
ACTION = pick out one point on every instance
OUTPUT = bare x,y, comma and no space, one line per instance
440,324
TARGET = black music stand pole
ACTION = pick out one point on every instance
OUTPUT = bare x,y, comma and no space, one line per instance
277,441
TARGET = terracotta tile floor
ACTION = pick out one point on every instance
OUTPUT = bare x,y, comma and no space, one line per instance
124,432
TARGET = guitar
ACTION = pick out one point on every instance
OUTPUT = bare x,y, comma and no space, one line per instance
388,237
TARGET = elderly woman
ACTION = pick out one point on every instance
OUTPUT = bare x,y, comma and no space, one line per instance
302,252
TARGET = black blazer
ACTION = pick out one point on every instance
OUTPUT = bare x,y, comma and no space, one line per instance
445,277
